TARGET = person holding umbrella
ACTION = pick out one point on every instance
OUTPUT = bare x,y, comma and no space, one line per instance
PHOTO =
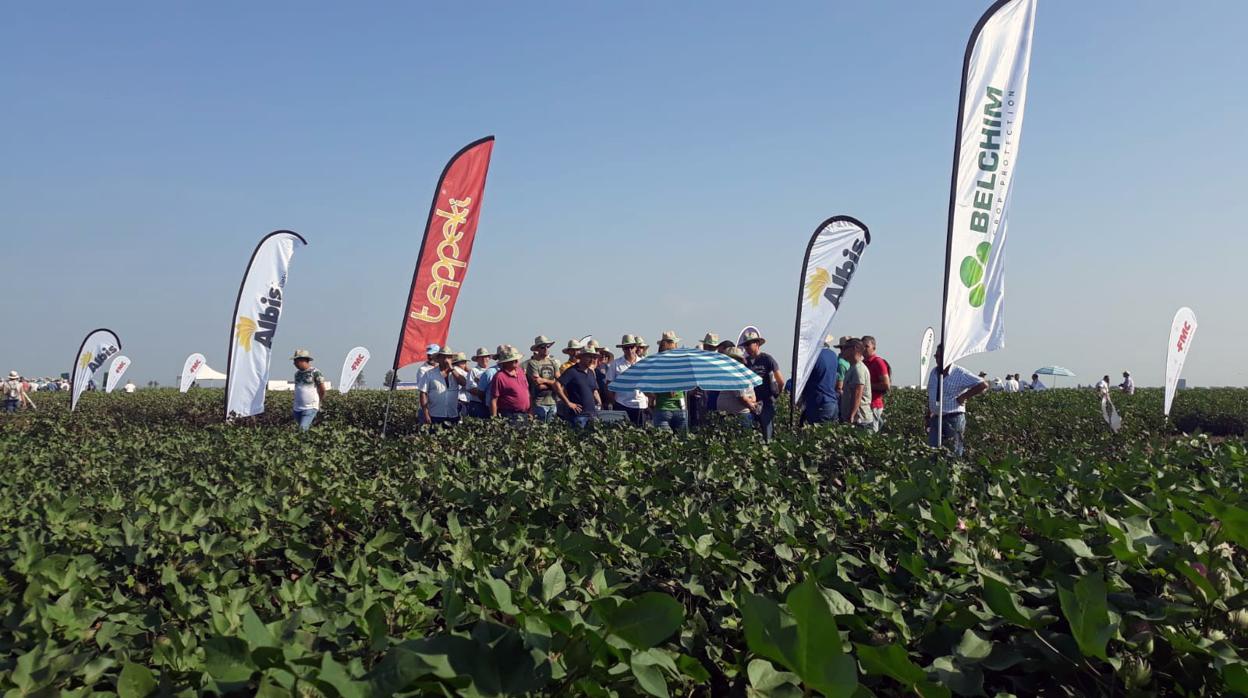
309,389
669,408
766,368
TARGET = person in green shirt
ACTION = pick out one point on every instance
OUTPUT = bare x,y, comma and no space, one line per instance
669,408
542,371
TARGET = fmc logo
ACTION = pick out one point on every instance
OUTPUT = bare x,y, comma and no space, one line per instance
359,359
1184,335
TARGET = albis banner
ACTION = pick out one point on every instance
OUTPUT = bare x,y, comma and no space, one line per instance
990,127
96,349
253,327
833,256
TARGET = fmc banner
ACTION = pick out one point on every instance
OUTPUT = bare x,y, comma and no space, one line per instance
833,256
115,372
351,367
444,252
985,155
1182,329
925,356
261,302
96,349
190,369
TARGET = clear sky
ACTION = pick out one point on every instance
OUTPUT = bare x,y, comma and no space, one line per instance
658,166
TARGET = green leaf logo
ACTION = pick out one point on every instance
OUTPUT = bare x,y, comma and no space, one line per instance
972,273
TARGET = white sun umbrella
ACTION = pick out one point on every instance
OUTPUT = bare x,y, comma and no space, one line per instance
685,369
1055,371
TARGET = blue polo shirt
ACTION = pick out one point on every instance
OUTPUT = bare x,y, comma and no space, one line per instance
485,381
820,389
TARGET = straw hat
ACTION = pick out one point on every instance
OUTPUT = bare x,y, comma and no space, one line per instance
460,358
507,354
13,375
302,354
482,351
445,351
542,341
844,340
641,342
752,337
593,344
670,336
574,347
710,340
627,340
736,353
503,349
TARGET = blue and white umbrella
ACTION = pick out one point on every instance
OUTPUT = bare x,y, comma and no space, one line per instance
1055,371
685,369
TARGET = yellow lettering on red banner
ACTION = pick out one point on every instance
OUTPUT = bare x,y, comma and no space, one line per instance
444,270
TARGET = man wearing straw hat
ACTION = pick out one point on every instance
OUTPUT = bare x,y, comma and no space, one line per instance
542,370
669,408
578,389
14,392
309,389
765,367
477,407
439,390
633,402
509,387
571,350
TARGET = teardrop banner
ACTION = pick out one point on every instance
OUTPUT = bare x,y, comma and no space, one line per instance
253,326
833,257
351,367
96,349
190,369
115,372
989,129
1182,330
925,357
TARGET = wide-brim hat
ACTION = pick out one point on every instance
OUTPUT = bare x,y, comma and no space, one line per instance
14,374
542,341
670,336
711,339
574,346
736,353
593,344
445,351
843,342
482,352
641,342
627,340
510,354
752,337
302,354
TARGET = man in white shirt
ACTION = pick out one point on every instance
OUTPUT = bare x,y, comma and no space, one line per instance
633,402
960,385
1011,383
1127,385
439,390
1102,388
129,387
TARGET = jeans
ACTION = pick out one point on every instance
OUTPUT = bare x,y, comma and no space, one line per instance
676,420
636,415
582,420
304,418
828,412
879,419
10,404
954,429
544,413
765,420
478,410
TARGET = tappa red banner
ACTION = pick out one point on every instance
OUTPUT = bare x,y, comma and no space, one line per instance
444,252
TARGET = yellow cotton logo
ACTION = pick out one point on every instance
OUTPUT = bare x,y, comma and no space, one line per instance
816,284
245,329
85,360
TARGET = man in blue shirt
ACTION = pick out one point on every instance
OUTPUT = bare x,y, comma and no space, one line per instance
821,402
486,379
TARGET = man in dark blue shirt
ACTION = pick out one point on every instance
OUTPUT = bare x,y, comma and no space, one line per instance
578,388
819,395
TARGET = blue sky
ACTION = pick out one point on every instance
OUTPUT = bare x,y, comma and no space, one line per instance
658,166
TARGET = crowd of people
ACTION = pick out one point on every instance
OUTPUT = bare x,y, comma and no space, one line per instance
17,390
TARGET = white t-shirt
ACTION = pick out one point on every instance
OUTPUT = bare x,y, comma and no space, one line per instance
1103,387
1011,386
474,380
633,399
443,392
306,397
128,387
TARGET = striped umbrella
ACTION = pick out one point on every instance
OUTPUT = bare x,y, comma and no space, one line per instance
685,369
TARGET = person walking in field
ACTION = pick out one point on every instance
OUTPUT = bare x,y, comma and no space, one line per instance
439,390
765,367
578,389
855,400
669,408
509,387
959,386
633,402
542,370
1127,385
14,392
881,380
309,389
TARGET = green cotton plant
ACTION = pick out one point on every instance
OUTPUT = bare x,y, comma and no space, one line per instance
148,549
